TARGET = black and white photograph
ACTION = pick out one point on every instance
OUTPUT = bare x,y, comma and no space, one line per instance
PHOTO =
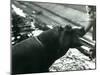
52,37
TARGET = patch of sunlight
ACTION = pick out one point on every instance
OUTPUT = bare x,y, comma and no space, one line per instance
18,11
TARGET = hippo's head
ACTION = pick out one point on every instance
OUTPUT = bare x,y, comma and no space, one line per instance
69,37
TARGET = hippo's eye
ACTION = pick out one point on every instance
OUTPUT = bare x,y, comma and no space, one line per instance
89,12
60,28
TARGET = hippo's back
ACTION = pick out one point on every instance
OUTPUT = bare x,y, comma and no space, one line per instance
28,56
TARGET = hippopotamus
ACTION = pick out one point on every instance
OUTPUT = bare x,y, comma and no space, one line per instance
36,54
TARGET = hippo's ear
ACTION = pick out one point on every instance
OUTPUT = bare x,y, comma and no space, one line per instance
60,28
68,28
